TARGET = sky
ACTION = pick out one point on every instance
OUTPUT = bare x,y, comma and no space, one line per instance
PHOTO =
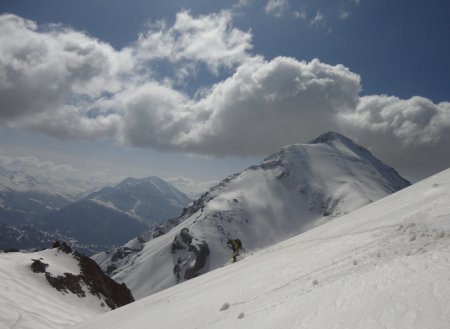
193,91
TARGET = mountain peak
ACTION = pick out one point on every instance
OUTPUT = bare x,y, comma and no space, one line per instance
299,187
329,137
151,199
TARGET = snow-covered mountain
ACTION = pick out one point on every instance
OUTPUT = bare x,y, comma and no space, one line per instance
113,215
150,199
386,265
54,288
290,192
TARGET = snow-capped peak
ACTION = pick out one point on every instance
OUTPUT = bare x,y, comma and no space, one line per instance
291,191
329,137
149,199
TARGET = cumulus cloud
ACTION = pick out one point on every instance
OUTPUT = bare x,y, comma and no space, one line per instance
262,106
411,134
57,80
269,104
208,39
46,76
276,7
155,115
67,84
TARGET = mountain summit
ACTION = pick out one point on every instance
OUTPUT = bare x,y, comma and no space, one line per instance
149,199
289,192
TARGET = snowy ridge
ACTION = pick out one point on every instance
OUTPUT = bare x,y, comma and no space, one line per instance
290,192
385,265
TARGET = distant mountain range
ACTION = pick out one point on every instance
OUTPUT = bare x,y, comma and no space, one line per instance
291,191
35,211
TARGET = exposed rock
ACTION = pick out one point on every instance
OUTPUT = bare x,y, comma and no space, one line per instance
201,252
64,247
189,249
91,276
99,283
38,267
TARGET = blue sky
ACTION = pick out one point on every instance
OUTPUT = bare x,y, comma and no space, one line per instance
201,89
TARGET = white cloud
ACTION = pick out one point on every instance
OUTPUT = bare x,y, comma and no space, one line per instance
208,39
301,14
411,135
48,77
57,80
242,3
238,115
155,116
276,7
267,104
415,120
318,18
32,164
69,85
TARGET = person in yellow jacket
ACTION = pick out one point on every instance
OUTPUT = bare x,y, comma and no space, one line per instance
236,245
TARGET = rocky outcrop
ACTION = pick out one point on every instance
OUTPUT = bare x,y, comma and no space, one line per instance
91,277
190,255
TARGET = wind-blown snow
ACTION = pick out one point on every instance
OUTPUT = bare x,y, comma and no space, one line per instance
386,265
27,301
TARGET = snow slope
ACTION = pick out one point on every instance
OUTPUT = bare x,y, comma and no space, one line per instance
290,192
386,265
28,301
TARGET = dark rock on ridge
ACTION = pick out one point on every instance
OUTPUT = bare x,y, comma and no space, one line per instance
91,276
